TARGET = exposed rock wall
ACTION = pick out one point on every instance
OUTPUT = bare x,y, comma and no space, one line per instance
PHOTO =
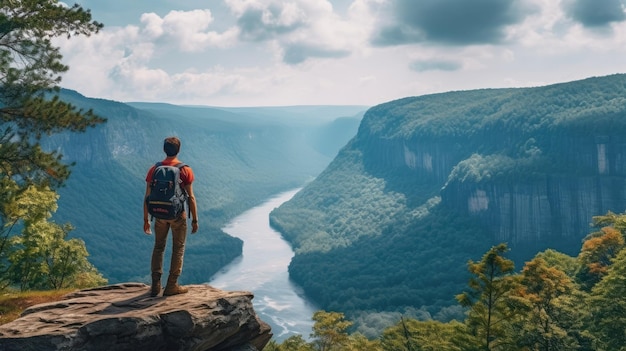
547,209
550,208
433,159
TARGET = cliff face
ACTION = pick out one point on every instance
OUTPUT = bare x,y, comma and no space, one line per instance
125,317
433,160
533,173
554,209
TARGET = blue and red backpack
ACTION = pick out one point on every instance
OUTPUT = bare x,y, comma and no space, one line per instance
167,197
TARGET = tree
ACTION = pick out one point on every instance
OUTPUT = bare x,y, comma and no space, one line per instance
552,310
597,254
617,221
358,342
487,298
30,71
608,307
559,260
414,335
292,343
329,330
41,257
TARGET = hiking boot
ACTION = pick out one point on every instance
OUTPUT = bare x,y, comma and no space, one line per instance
174,290
172,287
155,289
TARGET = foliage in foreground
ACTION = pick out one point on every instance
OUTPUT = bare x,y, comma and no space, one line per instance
556,302
41,257
34,252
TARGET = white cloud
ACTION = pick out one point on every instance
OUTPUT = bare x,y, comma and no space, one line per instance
303,29
189,30
306,52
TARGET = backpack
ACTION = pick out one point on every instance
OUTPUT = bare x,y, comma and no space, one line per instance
167,198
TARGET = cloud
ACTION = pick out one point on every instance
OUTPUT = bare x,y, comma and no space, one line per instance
259,23
300,52
186,29
594,13
260,52
435,65
302,29
451,22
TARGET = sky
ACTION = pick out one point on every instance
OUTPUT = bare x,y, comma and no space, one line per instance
235,53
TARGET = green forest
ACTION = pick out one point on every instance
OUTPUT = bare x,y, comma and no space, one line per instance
378,251
375,236
555,302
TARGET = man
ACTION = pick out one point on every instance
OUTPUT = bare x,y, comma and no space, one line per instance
171,147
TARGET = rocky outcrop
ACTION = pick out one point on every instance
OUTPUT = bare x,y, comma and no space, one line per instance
549,209
125,317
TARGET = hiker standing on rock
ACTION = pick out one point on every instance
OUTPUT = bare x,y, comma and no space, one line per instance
168,188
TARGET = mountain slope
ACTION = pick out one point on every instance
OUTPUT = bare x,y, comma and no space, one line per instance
239,160
430,182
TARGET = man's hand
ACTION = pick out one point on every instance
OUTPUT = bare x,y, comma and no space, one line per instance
146,227
194,227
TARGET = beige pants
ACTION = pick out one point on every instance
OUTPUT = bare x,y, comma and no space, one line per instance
179,235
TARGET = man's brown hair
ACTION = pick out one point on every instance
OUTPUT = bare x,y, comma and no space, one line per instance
171,146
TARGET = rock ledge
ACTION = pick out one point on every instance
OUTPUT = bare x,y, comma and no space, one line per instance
125,317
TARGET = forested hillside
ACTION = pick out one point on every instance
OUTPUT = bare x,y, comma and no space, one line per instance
239,156
433,181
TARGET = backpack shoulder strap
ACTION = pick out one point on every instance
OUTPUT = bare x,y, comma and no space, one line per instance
154,170
180,166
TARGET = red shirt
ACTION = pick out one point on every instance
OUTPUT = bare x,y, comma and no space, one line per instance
186,174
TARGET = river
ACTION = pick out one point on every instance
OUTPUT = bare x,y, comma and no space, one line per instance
262,269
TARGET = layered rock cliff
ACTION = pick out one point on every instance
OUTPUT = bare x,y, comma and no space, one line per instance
125,317
534,165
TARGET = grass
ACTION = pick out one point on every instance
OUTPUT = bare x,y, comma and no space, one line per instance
13,303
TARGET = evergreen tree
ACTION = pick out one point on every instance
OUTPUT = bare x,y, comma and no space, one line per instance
488,297
30,71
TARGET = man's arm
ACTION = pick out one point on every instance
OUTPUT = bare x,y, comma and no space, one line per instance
192,208
146,218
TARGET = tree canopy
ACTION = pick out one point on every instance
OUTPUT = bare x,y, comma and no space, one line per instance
540,308
30,71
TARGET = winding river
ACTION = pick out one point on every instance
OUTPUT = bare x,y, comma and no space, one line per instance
262,269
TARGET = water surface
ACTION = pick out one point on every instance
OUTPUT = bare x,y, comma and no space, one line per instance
262,269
